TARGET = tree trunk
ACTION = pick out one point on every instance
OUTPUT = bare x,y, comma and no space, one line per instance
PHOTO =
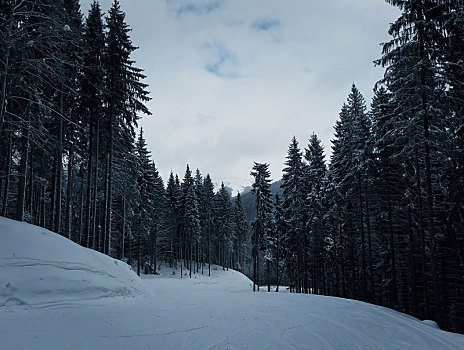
428,181
198,256
53,196
422,233
81,207
254,272
190,255
363,243
7,175
257,268
155,249
209,249
22,173
6,61
129,248
43,207
369,245
102,247
123,225
268,263
110,194
68,208
95,189
202,257
277,259
30,190
88,206
139,254
412,264
394,283
305,284
59,167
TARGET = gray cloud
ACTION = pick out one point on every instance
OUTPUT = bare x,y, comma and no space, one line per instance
265,24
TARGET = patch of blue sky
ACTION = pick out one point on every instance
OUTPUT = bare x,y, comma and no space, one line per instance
196,7
223,64
265,24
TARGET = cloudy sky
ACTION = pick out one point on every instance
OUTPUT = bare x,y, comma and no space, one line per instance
232,81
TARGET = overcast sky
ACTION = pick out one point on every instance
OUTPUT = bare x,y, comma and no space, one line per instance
232,81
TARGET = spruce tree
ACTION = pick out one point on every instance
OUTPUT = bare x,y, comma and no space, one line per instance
278,241
411,52
125,96
173,219
225,225
241,232
92,90
209,211
294,205
316,173
145,179
261,224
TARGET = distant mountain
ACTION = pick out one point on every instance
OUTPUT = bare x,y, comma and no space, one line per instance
234,185
249,202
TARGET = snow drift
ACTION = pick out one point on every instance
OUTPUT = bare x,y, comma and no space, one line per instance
39,267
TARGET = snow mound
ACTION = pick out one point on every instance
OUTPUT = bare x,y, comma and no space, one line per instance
41,268
431,323
230,280
224,280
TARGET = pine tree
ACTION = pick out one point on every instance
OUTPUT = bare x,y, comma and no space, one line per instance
261,224
422,75
91,107
199,237
412,50
173,219
209,210
125,95
294,201
190,217
158,213
127,199
241,232
225,222
351,152
72,27
316,173
145,179
278,241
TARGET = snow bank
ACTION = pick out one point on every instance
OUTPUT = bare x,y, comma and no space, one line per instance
39,267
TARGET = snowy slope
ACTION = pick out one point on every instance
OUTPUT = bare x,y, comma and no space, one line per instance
217,312
235,184
39,267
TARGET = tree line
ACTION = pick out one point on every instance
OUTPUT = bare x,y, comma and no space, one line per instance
383,222
70,156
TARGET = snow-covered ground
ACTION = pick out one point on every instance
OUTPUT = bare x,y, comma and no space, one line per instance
57,295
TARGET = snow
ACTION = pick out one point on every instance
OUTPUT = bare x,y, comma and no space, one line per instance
235,184
58,295
40,268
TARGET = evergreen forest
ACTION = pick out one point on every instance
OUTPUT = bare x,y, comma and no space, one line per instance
378,218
